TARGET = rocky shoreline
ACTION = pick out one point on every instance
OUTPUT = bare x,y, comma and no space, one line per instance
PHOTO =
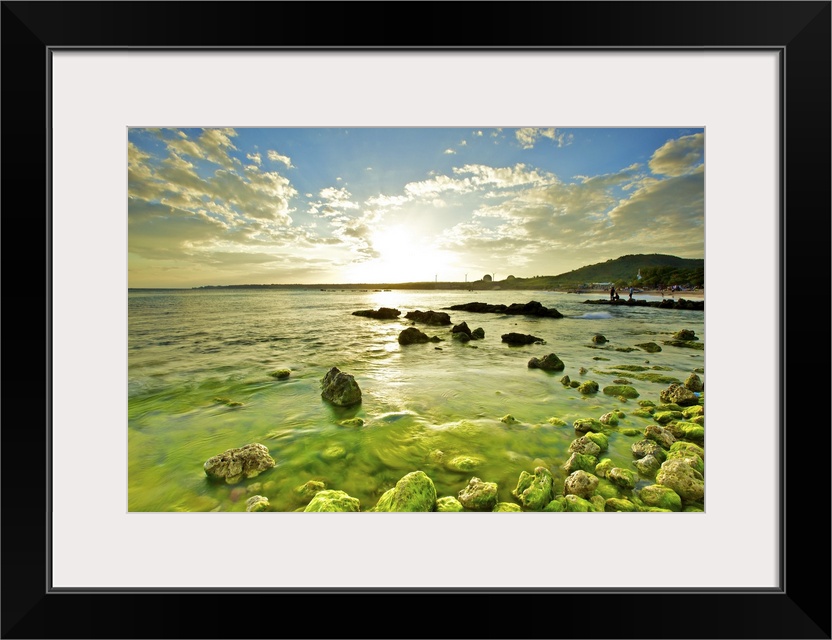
667,303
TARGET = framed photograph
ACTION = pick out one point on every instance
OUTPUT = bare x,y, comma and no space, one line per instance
228,207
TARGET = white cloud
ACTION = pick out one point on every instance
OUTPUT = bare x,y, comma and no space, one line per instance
255,158
680,156
528,136
277,157
449,152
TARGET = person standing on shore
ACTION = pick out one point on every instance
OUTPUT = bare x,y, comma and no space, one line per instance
612,293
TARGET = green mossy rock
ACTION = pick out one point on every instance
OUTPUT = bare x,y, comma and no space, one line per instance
610,419
646,403
340,388
623,478
663,417
588,387
694,411
508,419
643,413
607,489
463,463
657,495
309,489
683,479
577,504
449,503
479,495
478,334
332,500
535,491
691,431
630,432
503,507
574,384
619,504
603,467
678,394
648,447
598,438
685,334
352,422
579,461
663,436
588,424
335,452
548,363
280,374
257,503
584,445
694,383
647,466
687,449
557,505
649,347
413,492
621,390
691,458
669,407
630,367
235,465
700,420
565,381
580,483
557,422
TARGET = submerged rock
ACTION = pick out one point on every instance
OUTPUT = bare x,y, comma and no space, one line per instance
463,463
340,388
383,313
332,500
309,489
479,495
352,422
649,347
588,387
621,390
234,465
413,492
280,374
548,363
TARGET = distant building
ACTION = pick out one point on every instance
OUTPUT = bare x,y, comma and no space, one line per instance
486,278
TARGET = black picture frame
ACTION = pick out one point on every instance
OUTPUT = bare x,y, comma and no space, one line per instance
799,31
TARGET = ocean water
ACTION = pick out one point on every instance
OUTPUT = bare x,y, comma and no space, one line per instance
189,348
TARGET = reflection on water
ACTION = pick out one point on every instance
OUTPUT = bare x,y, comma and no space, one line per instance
199,383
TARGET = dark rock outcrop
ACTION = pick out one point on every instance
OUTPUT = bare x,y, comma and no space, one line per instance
520,338
532,308
548,363
383,313
412,335
429,317
340,388
667,303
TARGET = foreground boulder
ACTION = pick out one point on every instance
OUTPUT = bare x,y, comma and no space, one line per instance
678,394
535,491
332,500
234,465
414,492
383,313
680,476
340,388
257,503
412,335
479,495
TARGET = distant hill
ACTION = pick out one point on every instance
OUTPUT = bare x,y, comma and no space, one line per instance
656,268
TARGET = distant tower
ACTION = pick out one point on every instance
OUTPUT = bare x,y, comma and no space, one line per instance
486,278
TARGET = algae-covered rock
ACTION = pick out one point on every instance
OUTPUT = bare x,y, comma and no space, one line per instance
606,489
461,337
643,413
647,466
257,503
234,465
619,504
678,394
630,431
463,463
577,504
309,489
671,406
548,363
588,387
587,424
585,445
574,384
580,483
686,449
503,507
685,334
479,495
694,411
621,390
535,491
694,383
557,505
692,459
598,438
449,504
683,479
657,495
700,420
509,419
580,461
340,388
280,374
598,339
610,419
692,431
603,467
352,422
663,417
664,437
413,492
646,403
228,402
557,422
565,381
649,347
623,478
332,500
648,447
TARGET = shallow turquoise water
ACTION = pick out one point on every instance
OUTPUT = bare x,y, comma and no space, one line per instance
188,347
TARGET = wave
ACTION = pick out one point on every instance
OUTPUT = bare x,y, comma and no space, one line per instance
595,315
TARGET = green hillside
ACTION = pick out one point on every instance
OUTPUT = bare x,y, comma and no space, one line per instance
656,269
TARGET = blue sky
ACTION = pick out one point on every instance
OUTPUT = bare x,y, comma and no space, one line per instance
317,205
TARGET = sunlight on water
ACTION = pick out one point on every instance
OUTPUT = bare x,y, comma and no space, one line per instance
199,383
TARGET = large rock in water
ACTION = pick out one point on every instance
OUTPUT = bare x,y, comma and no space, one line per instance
429,317
383,313
479,495
535,491
678,394
520,338
412,335
548,363
234,465
340,388
532,308
414,492
331,500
